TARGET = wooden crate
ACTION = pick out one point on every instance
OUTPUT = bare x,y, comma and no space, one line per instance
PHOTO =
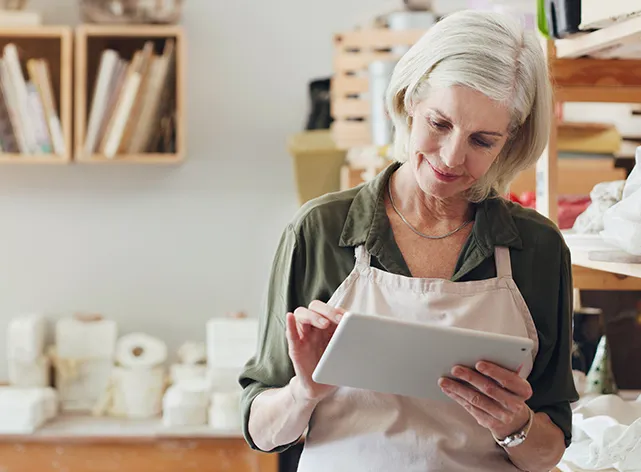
354,51
53,44
91,41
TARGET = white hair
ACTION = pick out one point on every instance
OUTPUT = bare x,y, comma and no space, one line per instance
491,53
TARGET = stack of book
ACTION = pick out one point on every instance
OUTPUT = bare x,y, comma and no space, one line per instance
29,120
133,104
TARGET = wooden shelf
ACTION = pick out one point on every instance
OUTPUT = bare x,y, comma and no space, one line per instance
41,32
150,158
581,258
622,40
613,79
598,275
85,428
20,159
91,41
55,45
79,444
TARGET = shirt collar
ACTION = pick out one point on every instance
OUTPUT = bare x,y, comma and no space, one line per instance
367,220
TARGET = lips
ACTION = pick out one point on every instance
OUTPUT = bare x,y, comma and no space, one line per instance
443,176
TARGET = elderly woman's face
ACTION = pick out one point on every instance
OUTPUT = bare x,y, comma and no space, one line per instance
457,133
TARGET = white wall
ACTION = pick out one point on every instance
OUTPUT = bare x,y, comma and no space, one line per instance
163,249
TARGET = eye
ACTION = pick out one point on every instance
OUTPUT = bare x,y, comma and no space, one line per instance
482,143
438,124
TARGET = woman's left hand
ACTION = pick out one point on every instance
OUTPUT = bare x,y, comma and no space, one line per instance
494,396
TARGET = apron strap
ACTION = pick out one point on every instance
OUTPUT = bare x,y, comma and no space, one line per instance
503,264
362,256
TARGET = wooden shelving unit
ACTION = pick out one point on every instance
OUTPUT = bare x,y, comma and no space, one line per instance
55,45
600,66
91,41
83,443
354,51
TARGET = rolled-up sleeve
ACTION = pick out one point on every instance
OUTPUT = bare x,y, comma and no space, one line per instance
552,380
271,366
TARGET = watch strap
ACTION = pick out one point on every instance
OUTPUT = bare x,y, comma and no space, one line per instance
517,437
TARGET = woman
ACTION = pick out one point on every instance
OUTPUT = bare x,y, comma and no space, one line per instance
471,103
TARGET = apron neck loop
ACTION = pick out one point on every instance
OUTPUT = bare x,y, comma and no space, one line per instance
503,264
363,257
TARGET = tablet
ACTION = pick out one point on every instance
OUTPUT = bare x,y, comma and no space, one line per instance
388,355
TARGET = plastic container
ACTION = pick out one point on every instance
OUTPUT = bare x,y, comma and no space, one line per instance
380,74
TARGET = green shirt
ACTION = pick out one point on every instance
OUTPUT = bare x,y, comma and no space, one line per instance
316,253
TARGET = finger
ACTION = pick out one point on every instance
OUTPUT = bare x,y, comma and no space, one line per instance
302,332
332,313
475,398
291,329
306,316
509,380
481,417
489,387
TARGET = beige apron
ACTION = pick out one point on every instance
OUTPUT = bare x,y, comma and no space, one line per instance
356,430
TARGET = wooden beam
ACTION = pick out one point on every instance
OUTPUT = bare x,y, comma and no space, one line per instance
220,455
591,279
348,134
546,166
621,269
599,94
346,108
355,62
596,72
342,86
377,38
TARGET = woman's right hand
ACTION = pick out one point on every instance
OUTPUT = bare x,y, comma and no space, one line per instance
308,333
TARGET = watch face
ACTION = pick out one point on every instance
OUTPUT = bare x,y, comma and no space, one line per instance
515,441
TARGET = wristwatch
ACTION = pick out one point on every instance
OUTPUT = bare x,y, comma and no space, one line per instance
517,438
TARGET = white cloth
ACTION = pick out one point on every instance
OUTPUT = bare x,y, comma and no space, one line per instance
606,436
604,195
356,430
622,221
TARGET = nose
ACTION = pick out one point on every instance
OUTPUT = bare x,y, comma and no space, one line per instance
453,150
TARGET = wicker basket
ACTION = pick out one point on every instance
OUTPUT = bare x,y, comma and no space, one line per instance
131,11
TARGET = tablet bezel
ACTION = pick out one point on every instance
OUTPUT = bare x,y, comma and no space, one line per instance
363,353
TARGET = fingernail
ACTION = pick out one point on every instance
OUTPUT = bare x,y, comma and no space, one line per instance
322,321
457,371
482,366
338,318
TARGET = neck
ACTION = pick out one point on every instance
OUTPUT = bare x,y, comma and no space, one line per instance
424,210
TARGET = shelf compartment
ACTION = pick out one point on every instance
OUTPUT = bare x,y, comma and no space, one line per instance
54,44
91,41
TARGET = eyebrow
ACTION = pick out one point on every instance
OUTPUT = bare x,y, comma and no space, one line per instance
444,116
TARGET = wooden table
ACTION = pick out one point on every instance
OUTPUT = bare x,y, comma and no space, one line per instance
87,444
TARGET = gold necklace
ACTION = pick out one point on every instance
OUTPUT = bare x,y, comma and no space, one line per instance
423,235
